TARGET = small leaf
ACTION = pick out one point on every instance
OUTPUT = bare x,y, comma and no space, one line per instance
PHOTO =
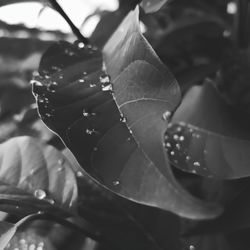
150,6
37,171
216,144
7,231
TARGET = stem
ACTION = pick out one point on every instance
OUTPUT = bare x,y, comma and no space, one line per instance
242,23
74,29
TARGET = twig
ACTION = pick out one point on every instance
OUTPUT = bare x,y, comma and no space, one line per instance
74,29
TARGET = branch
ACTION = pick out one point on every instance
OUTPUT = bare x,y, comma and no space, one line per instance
74,29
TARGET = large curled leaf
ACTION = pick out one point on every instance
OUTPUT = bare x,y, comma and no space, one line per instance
33,172
116,137
208,137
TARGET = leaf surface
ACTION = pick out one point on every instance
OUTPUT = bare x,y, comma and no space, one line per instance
208,137
7,231
33,172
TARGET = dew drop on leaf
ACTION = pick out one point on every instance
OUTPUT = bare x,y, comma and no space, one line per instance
122,119
181,138
197,164
36,83
52,87
176,137
90,131
81,80
85,113
80,45
166,115
61,161
40,194
79,174
192,247
116,183
32,247
105,79
92,85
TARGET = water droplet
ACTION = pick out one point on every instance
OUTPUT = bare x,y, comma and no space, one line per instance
80,45
52,87
90,131
188,158
69,52
108,87
79,174
51,201
48,115
176,137
166,115
22,241
122,119
105,79
60,76
35,82
191,247
92,85
178,146
55,68
85,113
32,247
81,80
40,194
85,73
181,138
116,183
61,161
197,164
129,139
168,145
172,153
179,129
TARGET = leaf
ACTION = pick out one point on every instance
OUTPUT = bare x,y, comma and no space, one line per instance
77,103
216,144
150,6
7,231
144,89
32,172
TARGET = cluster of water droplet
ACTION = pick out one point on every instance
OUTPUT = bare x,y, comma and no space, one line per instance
185,147
25,244
105,82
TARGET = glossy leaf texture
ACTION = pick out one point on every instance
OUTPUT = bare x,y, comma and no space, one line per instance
151,6
35,174
7,231
207,137
115,130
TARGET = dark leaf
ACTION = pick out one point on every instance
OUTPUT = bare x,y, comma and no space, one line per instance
216,144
